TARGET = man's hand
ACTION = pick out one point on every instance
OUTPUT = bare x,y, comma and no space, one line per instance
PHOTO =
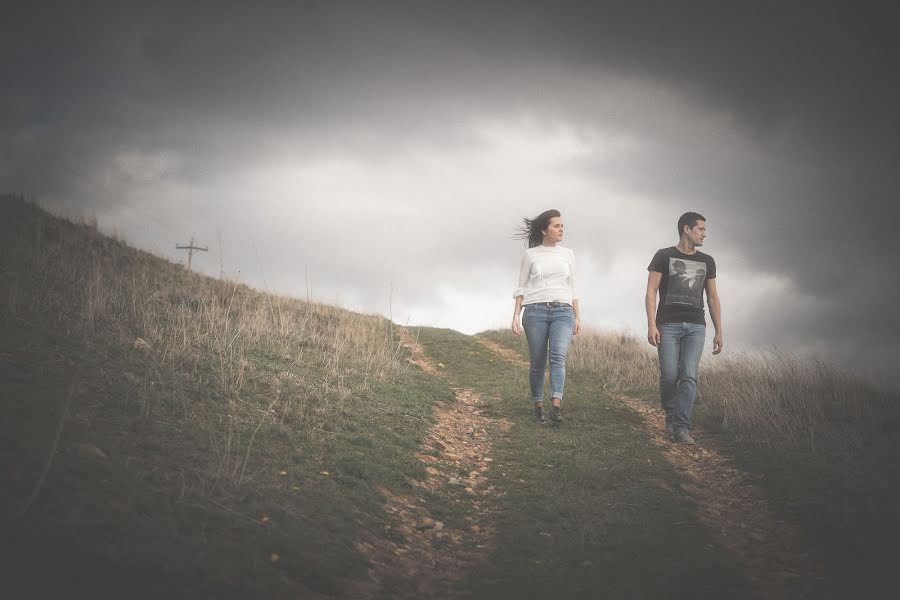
653,336
717,343
516,326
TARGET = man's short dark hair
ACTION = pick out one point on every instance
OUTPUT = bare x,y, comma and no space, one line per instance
690,219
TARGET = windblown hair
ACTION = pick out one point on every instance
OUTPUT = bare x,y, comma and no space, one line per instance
533,229
690,219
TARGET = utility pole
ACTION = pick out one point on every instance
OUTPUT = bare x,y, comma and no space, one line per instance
191,248
221,261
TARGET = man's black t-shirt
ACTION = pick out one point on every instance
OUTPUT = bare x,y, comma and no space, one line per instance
681,288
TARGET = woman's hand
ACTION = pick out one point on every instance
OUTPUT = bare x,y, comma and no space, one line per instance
577,326
516,326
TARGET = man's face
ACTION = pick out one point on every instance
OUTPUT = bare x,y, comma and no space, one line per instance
697,233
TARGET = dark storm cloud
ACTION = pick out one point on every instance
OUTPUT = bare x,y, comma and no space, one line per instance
801,179
133,67
107,72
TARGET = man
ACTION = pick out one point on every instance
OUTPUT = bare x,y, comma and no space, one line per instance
677,329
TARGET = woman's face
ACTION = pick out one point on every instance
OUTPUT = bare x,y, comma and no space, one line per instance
554,232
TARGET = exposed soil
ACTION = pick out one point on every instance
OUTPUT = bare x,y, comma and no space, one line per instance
507,353
419,556
417,353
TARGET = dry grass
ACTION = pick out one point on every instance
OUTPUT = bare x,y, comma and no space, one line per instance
624,362
232,343
804,403
796,402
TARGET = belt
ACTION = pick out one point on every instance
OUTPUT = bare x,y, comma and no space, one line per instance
553,304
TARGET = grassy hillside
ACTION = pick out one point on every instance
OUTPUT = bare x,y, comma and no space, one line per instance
165,434
191,425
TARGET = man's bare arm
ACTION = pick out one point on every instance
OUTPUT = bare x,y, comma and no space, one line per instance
715,313
653,280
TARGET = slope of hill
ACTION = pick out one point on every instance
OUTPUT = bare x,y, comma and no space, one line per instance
163,420
190,437
165,434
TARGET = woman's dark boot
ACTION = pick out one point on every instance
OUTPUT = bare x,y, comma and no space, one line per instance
555,415
538,412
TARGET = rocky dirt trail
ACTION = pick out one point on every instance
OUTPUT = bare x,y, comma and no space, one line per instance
773,554
419,556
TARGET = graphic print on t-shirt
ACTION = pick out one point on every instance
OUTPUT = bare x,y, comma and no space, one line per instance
686,282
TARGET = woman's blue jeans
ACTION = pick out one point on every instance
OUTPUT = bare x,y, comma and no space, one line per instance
680,348
548,330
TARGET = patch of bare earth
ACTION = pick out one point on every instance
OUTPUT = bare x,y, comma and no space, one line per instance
506,353
419,556
417,355
771,550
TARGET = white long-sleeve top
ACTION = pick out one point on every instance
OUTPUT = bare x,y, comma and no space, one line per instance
547,274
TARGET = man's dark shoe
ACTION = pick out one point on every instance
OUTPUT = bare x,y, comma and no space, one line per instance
555,415
670,429
683,437
538,413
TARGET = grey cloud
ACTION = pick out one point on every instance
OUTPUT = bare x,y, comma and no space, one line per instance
796,165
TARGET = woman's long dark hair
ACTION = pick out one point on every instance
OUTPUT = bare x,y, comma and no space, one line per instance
533,229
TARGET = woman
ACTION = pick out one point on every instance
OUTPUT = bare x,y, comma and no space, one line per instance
548,306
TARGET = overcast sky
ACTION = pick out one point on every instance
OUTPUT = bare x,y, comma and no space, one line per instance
388,150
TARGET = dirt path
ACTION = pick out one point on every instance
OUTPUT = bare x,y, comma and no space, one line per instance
507,354
417,353
418,554
770,550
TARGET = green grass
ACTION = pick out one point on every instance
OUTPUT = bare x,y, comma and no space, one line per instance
154,503
820,443
218,434
589,509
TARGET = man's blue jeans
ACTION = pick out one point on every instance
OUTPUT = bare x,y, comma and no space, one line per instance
549,331
680,348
